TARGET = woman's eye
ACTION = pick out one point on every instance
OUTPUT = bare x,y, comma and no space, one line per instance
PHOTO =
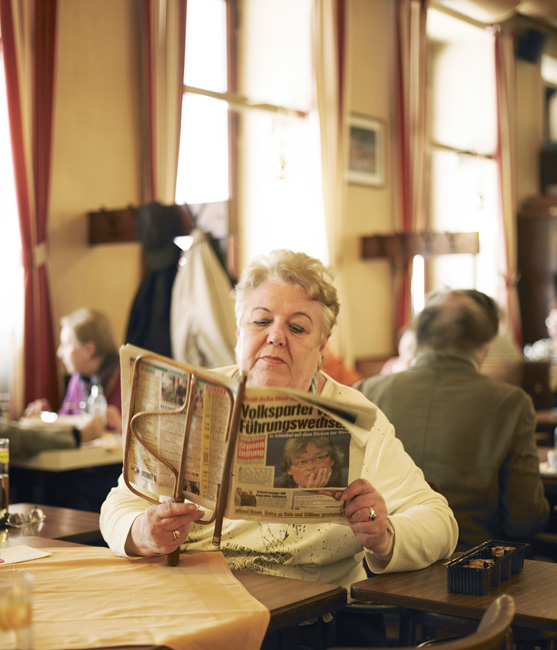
262,322
297,329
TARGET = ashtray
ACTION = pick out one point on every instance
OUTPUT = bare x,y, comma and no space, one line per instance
478,570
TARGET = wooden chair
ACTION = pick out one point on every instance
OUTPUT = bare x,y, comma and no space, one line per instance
493,632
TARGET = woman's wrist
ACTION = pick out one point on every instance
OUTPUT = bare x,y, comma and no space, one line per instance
390,547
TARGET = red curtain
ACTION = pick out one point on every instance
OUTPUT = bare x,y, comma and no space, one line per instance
29,36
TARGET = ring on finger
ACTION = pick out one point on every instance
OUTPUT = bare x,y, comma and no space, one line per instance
372,514
176,534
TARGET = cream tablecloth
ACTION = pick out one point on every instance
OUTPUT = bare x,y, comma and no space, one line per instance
86,597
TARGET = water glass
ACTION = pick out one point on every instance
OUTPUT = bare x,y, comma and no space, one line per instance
16,590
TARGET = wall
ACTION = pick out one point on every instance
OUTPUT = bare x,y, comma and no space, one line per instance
96,155
368,312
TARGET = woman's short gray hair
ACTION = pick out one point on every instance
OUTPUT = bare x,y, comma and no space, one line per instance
294,268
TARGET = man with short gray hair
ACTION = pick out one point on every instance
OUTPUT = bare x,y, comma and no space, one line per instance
472,436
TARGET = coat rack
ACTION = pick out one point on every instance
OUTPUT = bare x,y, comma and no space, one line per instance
120,225
405,245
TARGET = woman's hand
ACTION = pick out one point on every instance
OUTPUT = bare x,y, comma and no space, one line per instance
362,501
318,478
37,406
156,530
91,428
113,418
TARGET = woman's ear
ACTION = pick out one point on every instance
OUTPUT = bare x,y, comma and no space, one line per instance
324,344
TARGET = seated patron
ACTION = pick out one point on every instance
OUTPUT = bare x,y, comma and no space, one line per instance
546,349
473,436
87,350
406,349
25,441
286,307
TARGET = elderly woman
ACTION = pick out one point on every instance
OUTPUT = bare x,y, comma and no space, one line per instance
286,307
87,350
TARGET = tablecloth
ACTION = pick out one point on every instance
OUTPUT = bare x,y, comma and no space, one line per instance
86,597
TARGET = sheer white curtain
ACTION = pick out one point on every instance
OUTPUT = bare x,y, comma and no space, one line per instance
328,60
505,76
11,293
164,37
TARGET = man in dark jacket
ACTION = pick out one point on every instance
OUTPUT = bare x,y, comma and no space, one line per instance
472,436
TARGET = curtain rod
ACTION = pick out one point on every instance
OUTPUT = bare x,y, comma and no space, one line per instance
455,14
242,103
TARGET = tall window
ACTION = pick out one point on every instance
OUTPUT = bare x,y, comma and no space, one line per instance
11,291
462,141
276,184
203,160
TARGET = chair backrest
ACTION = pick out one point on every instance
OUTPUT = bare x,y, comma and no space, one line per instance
492,633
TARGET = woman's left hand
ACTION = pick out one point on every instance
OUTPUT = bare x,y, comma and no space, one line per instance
362,502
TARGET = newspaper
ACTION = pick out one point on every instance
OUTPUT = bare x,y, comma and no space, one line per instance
182,441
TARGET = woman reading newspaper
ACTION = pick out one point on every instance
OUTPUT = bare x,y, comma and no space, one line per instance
286,307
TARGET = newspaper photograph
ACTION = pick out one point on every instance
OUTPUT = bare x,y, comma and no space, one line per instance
293,460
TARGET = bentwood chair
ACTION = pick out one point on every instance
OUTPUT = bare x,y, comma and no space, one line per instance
493,632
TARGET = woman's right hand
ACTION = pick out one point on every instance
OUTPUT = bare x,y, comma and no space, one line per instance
113,418
37,406
152,533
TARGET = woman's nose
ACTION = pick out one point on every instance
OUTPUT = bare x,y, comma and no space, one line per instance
276,335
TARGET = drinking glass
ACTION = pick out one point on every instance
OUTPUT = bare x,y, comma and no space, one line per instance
16,630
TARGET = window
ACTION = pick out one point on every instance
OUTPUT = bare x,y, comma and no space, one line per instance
11,293
203,159
462,130
275,186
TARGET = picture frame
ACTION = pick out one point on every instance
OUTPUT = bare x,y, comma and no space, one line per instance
365,160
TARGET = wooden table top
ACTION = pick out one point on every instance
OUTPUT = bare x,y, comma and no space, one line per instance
534,591
546,417
60,523
289,601
108,451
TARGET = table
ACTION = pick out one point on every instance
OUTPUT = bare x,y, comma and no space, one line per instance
108,451
546,417
77,478
534,591
289,601
60,523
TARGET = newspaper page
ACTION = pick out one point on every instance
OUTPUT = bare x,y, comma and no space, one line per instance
294,457
294,453
176,443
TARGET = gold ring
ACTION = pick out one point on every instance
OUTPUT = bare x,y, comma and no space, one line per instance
372,514
176,534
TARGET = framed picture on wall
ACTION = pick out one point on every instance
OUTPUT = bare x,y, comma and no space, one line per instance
366,151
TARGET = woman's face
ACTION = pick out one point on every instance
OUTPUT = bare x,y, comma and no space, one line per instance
306,464
73,355
279,336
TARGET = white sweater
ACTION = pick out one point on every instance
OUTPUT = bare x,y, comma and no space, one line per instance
425,527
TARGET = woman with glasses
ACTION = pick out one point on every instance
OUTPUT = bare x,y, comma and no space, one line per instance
286,307
311,463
